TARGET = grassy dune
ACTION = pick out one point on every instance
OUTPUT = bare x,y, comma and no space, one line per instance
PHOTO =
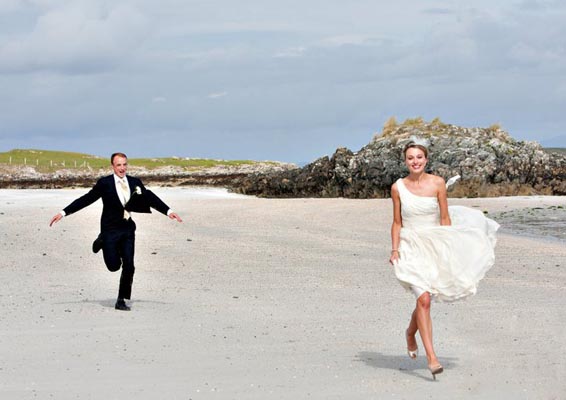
45,160
560,150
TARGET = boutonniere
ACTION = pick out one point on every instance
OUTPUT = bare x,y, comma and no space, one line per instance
137,190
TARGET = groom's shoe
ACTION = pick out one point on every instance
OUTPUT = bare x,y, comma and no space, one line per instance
97,244
121,305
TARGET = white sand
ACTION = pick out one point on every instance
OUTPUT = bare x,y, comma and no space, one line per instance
263,299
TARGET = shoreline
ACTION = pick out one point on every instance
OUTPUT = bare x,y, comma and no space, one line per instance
512,220
515,226
535,222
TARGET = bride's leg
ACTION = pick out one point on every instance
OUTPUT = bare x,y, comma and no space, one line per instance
424,323
413,327
412,347
412,331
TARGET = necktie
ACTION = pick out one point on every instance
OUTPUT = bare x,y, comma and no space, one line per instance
126,196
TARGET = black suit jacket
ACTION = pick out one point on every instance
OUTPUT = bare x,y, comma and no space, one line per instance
112,210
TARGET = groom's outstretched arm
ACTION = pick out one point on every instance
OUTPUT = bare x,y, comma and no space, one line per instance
158,204
80,203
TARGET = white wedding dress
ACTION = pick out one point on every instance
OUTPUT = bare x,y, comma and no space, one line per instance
446,261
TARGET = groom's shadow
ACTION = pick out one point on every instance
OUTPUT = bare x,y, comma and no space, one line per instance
416,368
110,303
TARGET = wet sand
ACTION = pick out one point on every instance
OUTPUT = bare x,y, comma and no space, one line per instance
264,299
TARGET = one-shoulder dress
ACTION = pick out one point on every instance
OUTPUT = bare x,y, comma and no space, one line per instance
446,261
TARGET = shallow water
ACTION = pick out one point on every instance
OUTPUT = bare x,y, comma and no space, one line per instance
542,222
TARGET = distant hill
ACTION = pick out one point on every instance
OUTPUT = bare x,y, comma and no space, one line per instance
47,160
560,150
30,168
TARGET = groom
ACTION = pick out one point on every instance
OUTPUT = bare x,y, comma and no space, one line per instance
120,195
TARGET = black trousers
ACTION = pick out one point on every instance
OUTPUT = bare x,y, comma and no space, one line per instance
118,250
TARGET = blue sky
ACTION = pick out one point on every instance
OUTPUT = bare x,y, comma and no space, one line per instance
281,80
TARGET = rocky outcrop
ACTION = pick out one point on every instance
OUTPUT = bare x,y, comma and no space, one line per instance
489,160
220,175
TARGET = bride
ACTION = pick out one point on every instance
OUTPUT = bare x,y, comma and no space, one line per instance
438,252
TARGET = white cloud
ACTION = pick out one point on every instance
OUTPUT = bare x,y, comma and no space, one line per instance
217,95
7,6
291,52
215,55
75,37
158,99
349,39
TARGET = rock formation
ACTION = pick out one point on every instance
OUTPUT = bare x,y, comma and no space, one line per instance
489,160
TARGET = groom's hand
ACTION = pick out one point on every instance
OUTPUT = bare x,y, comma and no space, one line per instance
56,218
175,216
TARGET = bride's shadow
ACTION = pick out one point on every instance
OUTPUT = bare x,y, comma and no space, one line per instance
416,368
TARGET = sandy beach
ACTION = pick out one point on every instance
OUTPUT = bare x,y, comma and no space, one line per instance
264,299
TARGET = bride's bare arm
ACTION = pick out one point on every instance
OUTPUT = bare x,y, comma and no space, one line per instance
443,202
396,225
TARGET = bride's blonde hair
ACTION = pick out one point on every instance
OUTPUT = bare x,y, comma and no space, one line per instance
413,145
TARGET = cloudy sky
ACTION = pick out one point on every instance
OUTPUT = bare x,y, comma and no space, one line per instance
286,80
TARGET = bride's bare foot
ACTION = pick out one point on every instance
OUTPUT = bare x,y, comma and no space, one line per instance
412,347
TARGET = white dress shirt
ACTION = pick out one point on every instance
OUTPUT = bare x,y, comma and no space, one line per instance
118,181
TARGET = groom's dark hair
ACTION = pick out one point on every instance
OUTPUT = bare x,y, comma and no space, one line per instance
117,155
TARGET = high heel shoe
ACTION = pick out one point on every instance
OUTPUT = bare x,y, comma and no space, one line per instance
412,353
436,369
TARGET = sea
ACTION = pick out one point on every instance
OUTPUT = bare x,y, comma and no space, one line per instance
548,223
